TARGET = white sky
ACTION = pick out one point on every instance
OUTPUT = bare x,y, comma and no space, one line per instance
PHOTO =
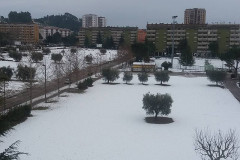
127,12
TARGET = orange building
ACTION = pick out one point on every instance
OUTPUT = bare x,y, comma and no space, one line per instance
25,33
141,35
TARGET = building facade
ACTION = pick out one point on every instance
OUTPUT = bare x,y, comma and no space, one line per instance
102,22
142,33
24,33
195,16
89,20
46,31
198,36
129,34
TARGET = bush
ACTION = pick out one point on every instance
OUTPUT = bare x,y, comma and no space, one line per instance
82,86
103,51
17,56
216,76
36,56
13,117
56,57
89,58
46,51
162,76
143,77
110,75
157,104
88,82
166,65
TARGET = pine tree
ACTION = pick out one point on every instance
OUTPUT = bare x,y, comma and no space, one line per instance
186,58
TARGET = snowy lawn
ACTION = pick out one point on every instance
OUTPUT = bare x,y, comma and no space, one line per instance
107,122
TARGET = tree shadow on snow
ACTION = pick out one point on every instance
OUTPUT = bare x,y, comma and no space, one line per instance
215,85
110,83
167,85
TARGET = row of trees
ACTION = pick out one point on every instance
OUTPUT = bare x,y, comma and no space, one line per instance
110,75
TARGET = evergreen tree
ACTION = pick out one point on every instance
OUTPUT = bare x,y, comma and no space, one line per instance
127,77
99,38
25,73
166,65
86,42
56,57
17,56
186,58
162,76
214,48
36,56
21,17
216,76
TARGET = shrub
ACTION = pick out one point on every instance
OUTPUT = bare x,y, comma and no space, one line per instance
36,56
13,117
143,77
25,73
46,51
82,86
127,77
157,104
103,51
88,82
162,76
56,57
89,58
166,65
17,56
216,76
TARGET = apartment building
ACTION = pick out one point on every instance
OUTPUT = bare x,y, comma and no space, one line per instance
24,33
129,34
89,20
142,33
199,36
46,31
195,16
102,22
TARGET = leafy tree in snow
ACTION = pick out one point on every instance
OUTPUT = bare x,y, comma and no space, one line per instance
99,38
143,77
46,51
56,57
157,104
127,77
25,73
110,75
17,56
161,76
216,76
166,65
214,48
36,56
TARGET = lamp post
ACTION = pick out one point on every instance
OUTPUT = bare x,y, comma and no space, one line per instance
173,30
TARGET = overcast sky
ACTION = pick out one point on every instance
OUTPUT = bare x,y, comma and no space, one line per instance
128,12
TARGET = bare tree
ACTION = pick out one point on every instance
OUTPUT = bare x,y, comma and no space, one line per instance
216,146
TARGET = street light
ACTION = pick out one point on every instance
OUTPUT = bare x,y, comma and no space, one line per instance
173,30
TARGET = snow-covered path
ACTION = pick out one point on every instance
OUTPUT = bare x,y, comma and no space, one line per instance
107,122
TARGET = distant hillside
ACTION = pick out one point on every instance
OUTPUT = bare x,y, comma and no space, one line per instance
67,20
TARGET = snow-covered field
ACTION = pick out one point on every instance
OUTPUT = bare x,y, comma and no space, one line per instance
107,122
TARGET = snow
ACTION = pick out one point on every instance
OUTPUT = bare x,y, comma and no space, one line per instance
107,122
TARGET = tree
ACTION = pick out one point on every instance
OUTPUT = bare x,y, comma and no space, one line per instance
186,58
157,104
5,75
99,38
214,48
161,76
140,51
88,58
56,57
151,48
70,40
110,75
17,56
216,76
11,153
46,51
127,77
87,43
143,77
21,17
109,43
216,146
36,56
25,73
232,55
166,65
122,41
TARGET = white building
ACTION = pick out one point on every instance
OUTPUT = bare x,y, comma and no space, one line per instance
50,30
102,22
89,20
